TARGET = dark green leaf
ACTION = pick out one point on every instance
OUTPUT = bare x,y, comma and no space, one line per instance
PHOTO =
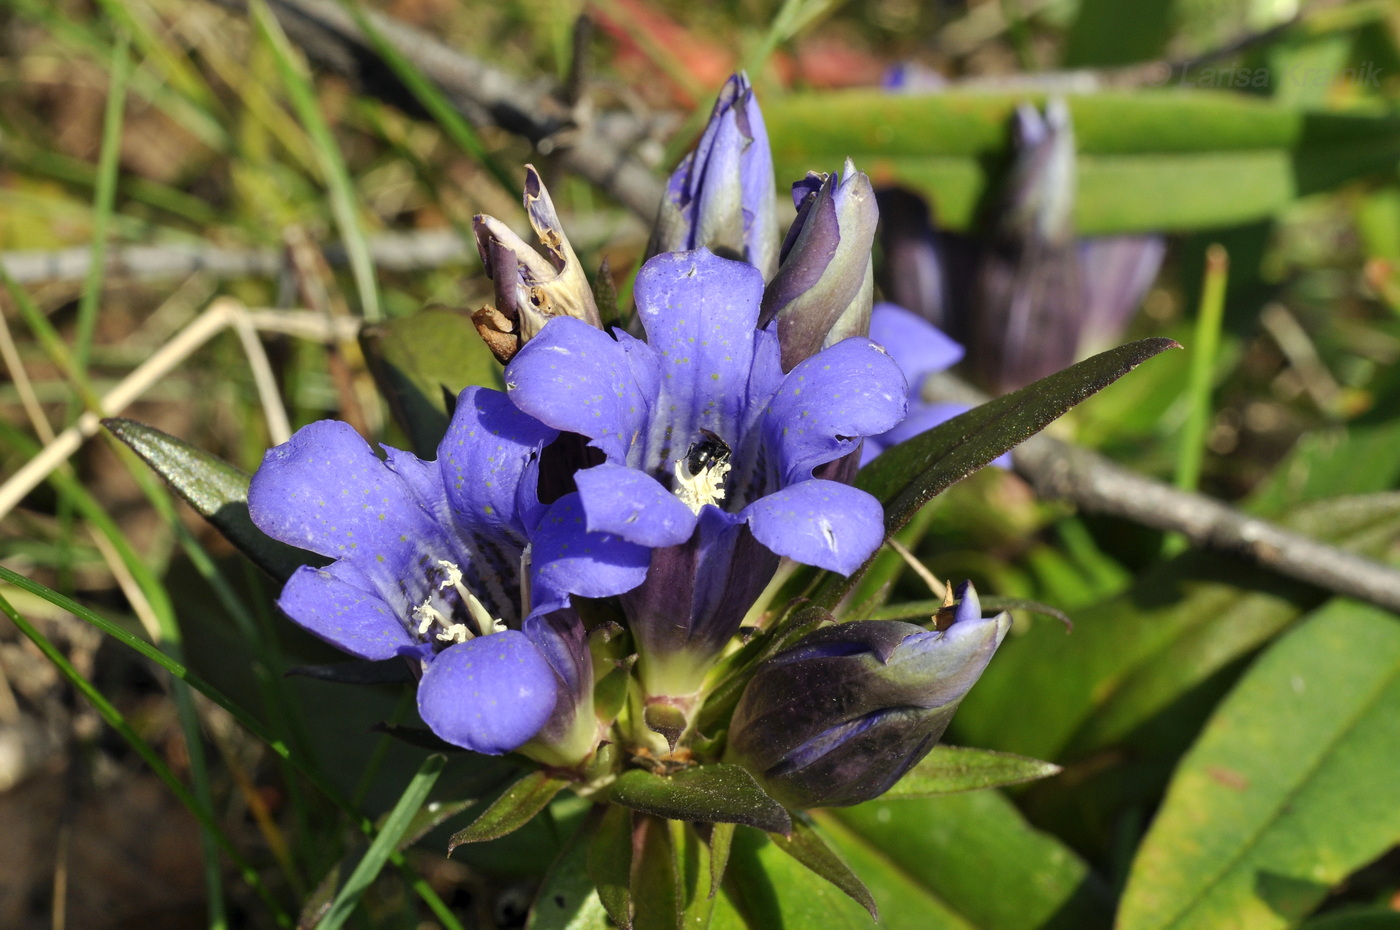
1290,787
432,815
909,475
950,769
512,810
656,882
566,899
216,489
1148,161
610,863
362,672
912,473
415,359
421,737
721,839
807,846
703,794
928,863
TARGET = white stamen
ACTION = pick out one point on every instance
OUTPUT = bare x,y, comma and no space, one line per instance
453,574
456,633
427,615
707,487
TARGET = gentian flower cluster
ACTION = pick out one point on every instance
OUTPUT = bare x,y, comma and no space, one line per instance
650,482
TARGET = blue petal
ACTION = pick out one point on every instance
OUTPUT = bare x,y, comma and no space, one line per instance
577,378
916,345
822,523
635,506
489,694
829,401
699,312
338,605
489,461
568,559
324,490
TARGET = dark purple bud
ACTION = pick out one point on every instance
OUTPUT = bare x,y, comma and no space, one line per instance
824,287
531,288
722,196
1115,273
1042,299
841,716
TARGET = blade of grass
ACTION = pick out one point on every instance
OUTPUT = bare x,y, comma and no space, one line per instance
432,99
291,68
1209,317
117,722
395,826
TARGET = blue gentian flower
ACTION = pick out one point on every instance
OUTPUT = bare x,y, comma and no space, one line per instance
839,717
455,565
721,196
710,449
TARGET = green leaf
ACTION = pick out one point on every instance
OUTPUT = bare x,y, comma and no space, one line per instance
512,810
928,864
1290,787
656,883
400,819
771,890
216,489
721,842
609,863
950,769
807,846
1130,658
567,899
418,359
909,475
1148,161
1377,919
703,794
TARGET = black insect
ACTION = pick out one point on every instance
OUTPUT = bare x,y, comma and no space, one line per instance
709,452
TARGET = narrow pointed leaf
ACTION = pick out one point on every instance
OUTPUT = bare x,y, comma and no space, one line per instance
216,489
567,899
704,794
400,819
512,810
364,672
931,858
655,886
416,359
429,817
769,888
610,863
807,846
721,840
950,769
1289,788
907,476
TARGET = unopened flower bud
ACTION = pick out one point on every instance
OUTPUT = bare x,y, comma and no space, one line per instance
824,287
531,288
841,716
721,196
